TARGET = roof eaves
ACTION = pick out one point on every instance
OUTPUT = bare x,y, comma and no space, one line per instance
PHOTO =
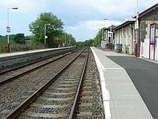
148,10
123,25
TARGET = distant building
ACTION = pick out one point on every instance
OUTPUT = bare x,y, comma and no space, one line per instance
109,37
148,33
124,34
143,40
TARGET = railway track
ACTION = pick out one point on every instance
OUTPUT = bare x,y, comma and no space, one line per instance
68,94
10,74
16,91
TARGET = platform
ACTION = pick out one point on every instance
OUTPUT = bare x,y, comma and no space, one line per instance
120,97
16,58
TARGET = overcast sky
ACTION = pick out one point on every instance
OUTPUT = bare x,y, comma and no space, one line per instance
82,18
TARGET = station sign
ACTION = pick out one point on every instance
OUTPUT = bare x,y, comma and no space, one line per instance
152,33
8,29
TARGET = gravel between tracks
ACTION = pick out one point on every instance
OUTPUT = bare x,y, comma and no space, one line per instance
13,93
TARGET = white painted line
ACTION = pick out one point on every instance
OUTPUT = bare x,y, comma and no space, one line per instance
105,92
114,68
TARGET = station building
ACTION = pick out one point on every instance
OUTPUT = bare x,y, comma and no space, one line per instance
143,40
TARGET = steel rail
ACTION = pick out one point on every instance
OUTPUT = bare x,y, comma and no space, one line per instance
73,112
21,66
28,63
16,76
17,111
10,68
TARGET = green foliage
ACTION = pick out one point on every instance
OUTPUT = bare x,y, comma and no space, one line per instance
86,43
46,24
89,42
3,39
98,38
70,40
19,38
80,44
27,37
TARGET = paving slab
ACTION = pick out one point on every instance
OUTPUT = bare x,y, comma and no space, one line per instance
120,96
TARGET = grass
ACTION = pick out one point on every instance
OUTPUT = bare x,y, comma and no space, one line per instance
3,40
3,43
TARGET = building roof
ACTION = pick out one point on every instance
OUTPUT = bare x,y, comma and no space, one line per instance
110,27
123,25
154,7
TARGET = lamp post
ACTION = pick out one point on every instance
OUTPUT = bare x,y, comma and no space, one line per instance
110,35
45,36
65,39
103,31
137,45
100,30
8,28
69,39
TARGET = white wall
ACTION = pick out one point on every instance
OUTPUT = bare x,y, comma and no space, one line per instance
103,44
124,36
156,49
144,49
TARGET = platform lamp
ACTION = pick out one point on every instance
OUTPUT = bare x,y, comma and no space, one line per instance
8,28
105,20
100,30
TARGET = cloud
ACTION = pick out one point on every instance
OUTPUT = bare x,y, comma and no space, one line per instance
94,24
27,7
88,29
82,18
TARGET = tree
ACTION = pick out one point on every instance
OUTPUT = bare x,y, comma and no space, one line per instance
19,38
89,42
86,43
27,38
98,38
70,40
46,24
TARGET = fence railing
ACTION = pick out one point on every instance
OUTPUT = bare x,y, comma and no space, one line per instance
17,47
